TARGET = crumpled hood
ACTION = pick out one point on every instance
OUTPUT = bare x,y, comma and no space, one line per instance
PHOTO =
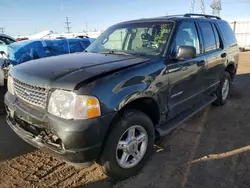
66,71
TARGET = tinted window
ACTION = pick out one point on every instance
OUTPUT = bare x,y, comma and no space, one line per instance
6,41
187,36
208,36
228,33
217,38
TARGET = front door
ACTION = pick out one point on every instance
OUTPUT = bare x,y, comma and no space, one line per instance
185,86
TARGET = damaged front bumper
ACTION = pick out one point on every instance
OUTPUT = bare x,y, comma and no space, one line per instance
77,141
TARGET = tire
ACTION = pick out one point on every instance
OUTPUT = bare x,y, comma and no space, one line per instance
221,99
111,156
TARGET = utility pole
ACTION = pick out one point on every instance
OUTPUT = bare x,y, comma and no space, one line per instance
67,25
2,30
216,6
86,27
192,6
202,7
197,6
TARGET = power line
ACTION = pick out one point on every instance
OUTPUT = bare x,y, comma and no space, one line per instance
87,27
67,25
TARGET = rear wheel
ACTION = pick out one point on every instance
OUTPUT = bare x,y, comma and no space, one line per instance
223,90
129,145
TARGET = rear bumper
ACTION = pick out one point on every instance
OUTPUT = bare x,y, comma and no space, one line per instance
76,141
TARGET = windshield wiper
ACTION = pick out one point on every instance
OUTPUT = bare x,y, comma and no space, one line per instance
113,52
139,53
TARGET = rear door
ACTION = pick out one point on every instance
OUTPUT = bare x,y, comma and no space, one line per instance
215,56
184,75
230,46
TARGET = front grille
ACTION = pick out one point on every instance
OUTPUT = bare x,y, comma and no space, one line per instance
34,95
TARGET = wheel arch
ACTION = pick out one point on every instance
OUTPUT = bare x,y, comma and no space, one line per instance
147,105
231,69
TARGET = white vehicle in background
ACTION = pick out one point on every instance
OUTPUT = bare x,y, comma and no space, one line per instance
49,34
41,35
242,33
5,40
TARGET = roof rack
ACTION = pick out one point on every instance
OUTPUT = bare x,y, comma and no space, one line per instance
174,15
201,15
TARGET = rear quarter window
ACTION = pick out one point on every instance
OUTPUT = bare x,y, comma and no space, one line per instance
227,33
208,36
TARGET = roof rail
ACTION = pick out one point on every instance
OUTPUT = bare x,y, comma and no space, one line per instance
202,15
174,15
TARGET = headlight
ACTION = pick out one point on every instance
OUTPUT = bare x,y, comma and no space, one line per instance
10,85
68,105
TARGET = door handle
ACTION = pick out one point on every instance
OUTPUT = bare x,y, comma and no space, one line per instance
184,68
223,55
201,63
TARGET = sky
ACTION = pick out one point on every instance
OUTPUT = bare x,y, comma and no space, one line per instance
25,17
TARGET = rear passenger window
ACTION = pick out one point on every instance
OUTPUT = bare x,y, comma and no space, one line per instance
217,38
208,36
228,34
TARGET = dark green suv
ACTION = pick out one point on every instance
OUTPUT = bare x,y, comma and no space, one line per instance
139,80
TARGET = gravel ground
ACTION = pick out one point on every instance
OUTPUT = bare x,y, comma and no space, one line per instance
211,150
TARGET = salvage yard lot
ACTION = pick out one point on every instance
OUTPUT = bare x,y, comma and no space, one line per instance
210,150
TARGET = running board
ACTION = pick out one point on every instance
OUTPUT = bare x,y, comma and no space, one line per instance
170,125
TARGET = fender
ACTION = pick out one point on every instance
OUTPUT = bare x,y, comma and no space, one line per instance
140,81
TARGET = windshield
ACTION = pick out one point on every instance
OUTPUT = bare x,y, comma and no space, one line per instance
5,40
133,38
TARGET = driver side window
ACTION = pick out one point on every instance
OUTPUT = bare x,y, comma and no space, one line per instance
187,36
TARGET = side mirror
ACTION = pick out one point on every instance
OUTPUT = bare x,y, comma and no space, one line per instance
186,52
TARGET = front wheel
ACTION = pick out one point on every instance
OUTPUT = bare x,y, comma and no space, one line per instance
223,90
129,145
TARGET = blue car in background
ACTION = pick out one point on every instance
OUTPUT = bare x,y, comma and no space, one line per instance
23,51
14,53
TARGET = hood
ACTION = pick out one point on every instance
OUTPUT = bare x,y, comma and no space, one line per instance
66,71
